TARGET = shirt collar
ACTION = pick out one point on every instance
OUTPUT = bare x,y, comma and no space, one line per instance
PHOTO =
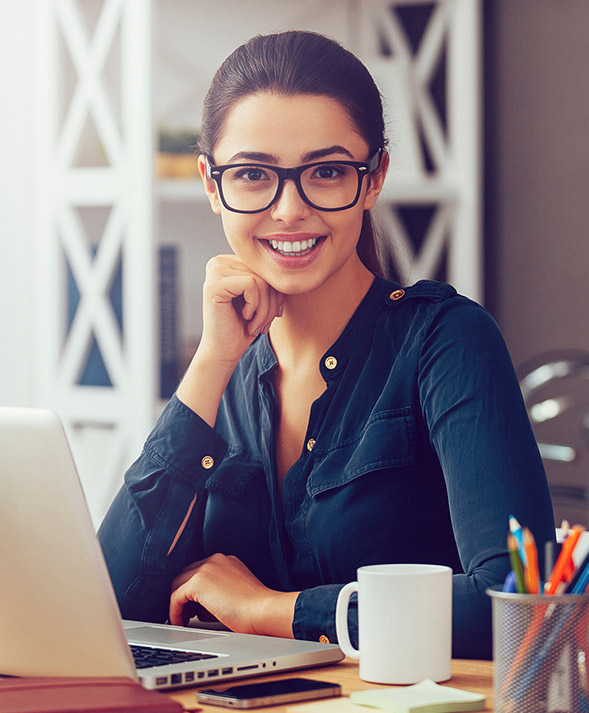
335,358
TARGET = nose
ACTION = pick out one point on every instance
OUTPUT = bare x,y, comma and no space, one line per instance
289,207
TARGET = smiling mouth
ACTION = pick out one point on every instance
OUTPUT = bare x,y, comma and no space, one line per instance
295,248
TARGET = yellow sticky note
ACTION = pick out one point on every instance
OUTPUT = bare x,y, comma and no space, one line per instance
423,697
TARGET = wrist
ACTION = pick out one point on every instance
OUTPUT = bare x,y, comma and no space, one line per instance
210,365
274,614
203,385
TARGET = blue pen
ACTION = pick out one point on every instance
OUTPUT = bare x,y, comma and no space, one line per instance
516,530
579,572
509,584
581,583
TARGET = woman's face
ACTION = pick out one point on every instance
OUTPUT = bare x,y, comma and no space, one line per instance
288,131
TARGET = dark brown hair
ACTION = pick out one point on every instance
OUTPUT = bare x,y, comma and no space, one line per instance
293,63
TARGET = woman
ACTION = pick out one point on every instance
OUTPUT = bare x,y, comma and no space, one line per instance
329,418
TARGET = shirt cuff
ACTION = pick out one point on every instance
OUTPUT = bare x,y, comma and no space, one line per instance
314,615
183,443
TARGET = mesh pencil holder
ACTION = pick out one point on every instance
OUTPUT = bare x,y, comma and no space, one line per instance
540,652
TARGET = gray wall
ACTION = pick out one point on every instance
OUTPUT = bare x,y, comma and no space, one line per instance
537,204
537,172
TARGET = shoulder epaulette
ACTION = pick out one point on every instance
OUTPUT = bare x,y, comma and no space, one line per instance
424,289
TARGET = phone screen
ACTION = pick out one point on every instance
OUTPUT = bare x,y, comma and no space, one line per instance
269,693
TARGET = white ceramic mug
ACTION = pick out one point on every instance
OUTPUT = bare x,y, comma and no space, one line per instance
404,622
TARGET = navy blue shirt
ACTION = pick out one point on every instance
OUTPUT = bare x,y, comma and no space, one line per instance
417,451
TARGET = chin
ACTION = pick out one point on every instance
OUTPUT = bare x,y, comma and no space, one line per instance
293,285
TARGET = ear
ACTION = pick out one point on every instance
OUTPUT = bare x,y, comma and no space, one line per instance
210,186
376,181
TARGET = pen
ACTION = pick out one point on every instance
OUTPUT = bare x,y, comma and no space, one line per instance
582,548
551,551
531,573
509,585
564,564
516,564
578,573
581,584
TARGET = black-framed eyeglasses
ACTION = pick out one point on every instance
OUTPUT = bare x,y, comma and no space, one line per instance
324,185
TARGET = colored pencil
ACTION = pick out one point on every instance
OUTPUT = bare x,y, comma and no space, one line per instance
531,573
516,530
516,563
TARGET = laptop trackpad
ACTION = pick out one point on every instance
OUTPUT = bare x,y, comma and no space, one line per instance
161,635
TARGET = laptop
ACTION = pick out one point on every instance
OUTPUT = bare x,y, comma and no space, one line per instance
58,611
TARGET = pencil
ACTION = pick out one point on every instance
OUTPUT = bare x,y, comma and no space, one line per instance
532,573
516,564
516,530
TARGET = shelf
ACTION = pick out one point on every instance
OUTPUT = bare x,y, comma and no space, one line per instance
427,191
180,190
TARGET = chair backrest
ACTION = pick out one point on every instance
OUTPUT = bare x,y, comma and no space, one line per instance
555,387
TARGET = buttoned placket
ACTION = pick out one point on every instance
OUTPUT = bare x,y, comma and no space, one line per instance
287,519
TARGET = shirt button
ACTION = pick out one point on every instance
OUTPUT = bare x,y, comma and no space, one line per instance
310,444
331,362
396,295
323,639
207,462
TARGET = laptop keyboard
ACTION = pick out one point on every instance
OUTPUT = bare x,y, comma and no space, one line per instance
148,656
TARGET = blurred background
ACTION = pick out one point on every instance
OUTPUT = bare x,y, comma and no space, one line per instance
104,230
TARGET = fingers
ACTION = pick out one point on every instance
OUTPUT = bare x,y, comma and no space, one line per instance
270,305
179,599
184,606
230,280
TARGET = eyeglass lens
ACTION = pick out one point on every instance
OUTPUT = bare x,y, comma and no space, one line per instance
329,185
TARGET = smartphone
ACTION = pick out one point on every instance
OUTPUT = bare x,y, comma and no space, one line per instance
269,693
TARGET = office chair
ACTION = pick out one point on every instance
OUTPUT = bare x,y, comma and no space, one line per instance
555,387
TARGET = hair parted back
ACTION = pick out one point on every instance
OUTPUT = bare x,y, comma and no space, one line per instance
293,63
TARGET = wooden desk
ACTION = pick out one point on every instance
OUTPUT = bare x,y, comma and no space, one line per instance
476,676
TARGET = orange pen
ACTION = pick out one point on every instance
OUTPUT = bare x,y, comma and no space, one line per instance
564,567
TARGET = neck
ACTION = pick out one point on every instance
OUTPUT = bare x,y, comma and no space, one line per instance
313,321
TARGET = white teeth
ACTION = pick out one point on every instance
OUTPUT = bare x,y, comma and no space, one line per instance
296,246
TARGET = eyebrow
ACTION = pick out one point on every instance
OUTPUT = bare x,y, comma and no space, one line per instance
306,158
322,153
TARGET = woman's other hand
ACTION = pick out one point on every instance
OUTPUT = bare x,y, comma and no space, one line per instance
229,591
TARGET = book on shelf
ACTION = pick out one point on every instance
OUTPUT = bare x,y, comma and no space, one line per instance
169,338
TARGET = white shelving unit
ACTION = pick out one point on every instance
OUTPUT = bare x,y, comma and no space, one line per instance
110,73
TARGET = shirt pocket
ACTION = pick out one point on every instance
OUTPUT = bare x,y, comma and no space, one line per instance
386,441
237,508
233,475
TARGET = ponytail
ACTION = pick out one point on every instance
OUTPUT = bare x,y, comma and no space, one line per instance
367,247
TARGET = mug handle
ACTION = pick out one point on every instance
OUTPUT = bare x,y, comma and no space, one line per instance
341,620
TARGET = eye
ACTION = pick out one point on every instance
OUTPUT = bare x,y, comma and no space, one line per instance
328,171
250,174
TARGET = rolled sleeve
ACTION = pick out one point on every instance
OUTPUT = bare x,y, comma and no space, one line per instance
183,444
161,494
314,615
